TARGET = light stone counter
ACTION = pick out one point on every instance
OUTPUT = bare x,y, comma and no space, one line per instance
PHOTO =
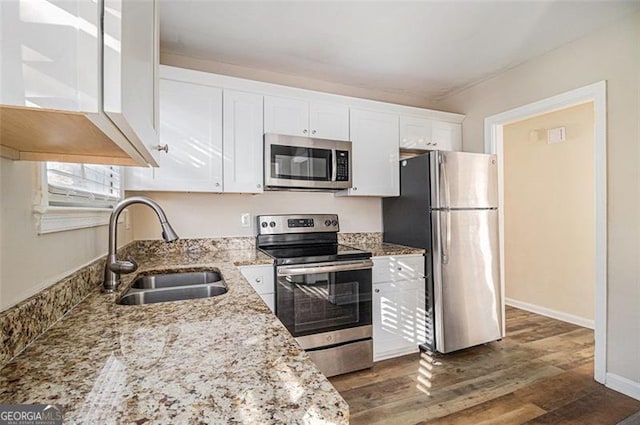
221,360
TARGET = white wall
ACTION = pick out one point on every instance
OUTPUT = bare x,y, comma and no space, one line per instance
202,215
612,54
30,262
549,213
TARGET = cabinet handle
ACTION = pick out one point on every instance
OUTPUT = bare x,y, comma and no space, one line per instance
355,188
399,269
377,291
164,148
258,186
217,184
313,132
305,131
258,279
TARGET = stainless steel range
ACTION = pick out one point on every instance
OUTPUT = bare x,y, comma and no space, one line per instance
323,289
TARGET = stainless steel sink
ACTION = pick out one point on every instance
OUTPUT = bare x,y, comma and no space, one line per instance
172,280
149,296
177,286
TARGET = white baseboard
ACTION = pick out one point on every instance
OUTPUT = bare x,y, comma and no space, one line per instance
554,314
623,385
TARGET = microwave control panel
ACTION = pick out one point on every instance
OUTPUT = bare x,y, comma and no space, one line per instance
342,161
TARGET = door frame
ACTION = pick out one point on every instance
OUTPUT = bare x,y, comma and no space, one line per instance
494,143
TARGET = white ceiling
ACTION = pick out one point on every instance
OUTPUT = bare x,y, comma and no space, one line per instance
424,49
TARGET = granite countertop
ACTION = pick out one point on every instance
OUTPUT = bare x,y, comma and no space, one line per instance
372,242
221,360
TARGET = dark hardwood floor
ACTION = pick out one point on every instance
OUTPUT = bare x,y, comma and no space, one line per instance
541,373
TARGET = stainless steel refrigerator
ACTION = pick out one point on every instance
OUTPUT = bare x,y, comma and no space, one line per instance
448,205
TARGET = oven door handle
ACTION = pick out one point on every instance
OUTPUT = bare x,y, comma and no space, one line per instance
332,267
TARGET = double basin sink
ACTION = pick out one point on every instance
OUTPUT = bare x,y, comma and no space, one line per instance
177,286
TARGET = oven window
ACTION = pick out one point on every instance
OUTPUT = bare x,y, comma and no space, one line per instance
297,163
322,302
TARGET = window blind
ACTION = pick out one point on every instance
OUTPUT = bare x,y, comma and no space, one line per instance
83,185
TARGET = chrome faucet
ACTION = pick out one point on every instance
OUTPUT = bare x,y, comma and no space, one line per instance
114,267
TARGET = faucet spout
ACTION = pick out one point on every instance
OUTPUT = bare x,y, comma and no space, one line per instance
115,267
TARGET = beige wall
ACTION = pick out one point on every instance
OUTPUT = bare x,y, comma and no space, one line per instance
30,262
172,59
549,215
612,54
201,215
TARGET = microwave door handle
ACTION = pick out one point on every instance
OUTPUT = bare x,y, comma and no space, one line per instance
334,165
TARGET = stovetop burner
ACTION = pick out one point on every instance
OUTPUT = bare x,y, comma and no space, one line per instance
303,239
302,254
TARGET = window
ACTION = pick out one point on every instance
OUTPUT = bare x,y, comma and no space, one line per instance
74,196
82,185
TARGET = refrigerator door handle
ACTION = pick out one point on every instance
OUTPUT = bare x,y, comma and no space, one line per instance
445,182
446,240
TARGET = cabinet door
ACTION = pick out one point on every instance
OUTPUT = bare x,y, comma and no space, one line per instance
329,121
191,127
48,60
375,154
415,133
286,116
446,136
130,69
398,318
242,142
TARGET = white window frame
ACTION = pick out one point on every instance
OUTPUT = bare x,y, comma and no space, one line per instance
51,219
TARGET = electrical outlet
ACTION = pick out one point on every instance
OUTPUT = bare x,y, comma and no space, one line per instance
245,220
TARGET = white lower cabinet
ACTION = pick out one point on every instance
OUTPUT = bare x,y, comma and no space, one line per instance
399,306
261,279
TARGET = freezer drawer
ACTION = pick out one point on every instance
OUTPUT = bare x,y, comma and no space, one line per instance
466,278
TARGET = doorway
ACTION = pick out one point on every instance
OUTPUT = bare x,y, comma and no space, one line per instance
549,216
494,143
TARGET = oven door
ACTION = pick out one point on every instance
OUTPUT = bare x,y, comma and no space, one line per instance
324,297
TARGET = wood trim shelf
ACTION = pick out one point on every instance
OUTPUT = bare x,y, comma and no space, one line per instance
34,134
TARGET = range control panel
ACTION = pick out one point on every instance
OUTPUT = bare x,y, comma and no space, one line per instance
298,223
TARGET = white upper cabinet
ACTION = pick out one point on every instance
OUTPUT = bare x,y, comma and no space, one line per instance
52,74
189,154
415,133
329,121
375,154
50,54
446,136
130,50
242,142
428,134
310,119
286,116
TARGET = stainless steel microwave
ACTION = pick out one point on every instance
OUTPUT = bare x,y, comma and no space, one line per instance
292,162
